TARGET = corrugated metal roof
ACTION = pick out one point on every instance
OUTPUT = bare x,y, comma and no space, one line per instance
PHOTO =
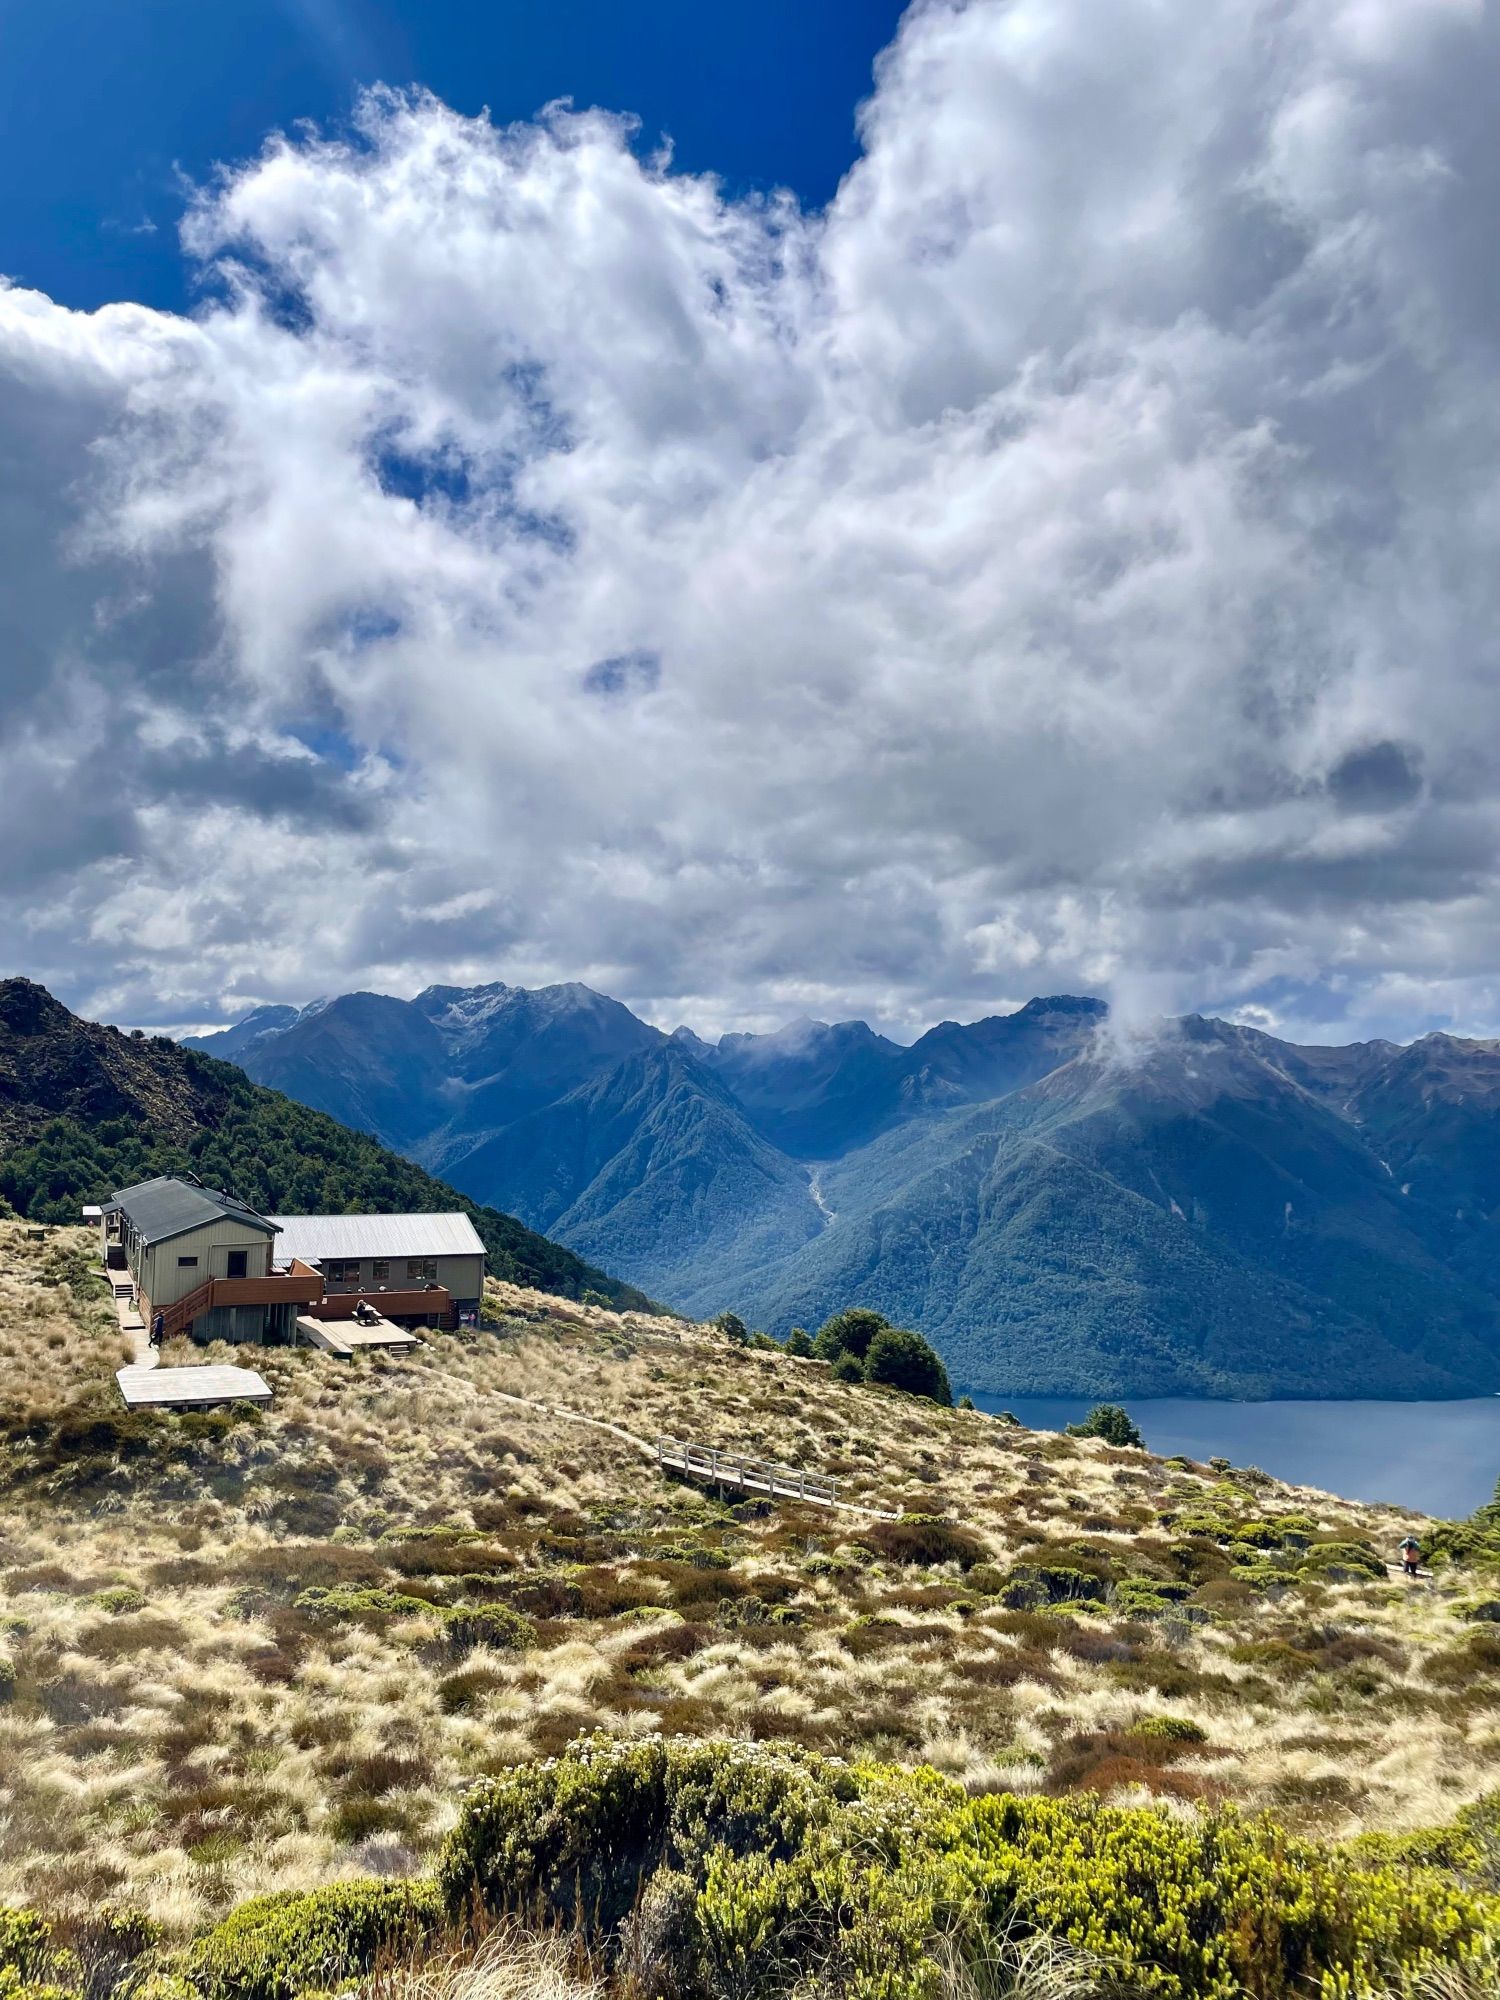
318,1237
165,1207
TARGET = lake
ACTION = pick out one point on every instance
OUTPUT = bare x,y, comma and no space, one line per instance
1437,1458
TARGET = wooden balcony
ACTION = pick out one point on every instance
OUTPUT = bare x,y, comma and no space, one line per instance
300,1286
289,1288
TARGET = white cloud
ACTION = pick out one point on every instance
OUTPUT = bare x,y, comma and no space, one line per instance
1068,562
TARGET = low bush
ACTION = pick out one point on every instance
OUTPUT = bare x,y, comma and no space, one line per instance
25,1944
768,1868
493,1625
360,1604
277,1947
1341,1562
924,1539
1469,1847
118,1598
1169,1729
1140,1597
1032,1584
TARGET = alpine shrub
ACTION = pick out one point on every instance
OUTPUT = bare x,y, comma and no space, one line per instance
768,1867
276,1947
493,1625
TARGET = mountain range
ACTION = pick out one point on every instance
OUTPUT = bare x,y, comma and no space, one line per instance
85,1109
1203,1210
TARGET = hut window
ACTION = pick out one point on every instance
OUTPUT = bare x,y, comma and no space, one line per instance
187,1263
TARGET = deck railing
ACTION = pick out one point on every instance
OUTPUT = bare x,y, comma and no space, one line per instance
737,1468
292,1288
431,1303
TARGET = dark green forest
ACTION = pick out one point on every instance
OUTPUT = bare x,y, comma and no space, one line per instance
281,1158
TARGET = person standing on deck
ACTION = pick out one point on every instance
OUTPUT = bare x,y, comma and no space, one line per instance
158,1329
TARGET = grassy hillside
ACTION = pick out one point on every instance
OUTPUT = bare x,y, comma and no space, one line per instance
85,1109
259,1650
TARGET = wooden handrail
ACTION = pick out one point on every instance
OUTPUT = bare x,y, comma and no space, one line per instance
789,1482
175,1317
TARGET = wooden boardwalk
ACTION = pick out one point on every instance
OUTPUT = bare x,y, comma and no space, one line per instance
755,1475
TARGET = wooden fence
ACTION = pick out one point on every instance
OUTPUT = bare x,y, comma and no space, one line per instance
755,1475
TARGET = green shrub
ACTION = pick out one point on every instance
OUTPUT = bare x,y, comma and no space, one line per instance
1143,1597
900,1359
118,1598
163,1986
360,1604
1110,1422
768,1868
1169,1729
13,1987
1341,1562
1469,1847
494,1625
277,1947
25,1944
1051,1583
849,1332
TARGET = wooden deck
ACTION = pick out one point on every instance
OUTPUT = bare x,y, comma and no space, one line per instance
190,1388
343,1336
754,1475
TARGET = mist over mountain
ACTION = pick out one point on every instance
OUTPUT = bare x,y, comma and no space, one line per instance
1206,1211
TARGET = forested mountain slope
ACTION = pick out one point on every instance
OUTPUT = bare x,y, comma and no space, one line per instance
1191,1223
84,1109
1202,1209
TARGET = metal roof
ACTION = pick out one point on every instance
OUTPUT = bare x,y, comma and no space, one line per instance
315,1238
165,1207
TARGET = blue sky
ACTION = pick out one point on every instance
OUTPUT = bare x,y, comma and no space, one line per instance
1053,550
106,104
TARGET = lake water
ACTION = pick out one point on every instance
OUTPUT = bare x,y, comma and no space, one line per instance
1438,1458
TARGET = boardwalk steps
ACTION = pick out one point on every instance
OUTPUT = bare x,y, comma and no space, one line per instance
755,1475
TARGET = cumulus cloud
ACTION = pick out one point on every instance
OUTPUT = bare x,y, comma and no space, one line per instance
1067,562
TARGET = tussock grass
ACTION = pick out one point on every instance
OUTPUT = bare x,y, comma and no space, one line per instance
403,1576
510,1964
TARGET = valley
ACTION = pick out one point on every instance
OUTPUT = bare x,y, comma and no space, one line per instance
1203,1211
